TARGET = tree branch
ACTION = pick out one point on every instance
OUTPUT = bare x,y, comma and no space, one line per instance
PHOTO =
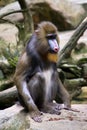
27,16
12,12
70,45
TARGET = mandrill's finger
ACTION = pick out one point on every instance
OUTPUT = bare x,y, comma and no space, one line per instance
37,119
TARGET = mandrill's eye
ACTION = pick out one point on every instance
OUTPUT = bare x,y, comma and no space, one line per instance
51,36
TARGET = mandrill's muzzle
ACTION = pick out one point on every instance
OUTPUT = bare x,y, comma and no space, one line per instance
54,47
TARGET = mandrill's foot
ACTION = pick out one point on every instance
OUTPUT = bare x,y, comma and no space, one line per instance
51,108
57,107
36,116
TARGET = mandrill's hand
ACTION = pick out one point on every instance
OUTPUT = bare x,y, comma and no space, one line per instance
36,116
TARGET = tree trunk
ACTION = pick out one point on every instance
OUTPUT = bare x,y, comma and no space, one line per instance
28,21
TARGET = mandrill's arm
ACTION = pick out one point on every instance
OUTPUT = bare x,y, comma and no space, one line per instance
25,94
31,49
64,95
19,79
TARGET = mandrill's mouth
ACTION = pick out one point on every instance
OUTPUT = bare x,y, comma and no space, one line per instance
54,51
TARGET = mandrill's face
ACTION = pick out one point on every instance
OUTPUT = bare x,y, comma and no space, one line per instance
53,43
49,40
53,48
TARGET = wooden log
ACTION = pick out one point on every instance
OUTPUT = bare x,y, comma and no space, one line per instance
71,71
5,84
84,73
74,86
8,97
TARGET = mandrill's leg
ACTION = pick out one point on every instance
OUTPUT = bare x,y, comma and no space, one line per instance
36,89
63,94
51,91
38,93
65,97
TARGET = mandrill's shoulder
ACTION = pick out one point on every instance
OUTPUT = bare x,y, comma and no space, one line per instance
23,63
23,58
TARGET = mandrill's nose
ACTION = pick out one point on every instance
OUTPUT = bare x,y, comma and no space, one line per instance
56,49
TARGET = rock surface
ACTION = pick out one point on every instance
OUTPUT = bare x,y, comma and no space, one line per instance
68,120
9,33
64,16
79,1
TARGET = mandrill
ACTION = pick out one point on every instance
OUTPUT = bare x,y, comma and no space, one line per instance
36,75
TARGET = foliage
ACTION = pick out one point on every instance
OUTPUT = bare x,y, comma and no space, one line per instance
11,56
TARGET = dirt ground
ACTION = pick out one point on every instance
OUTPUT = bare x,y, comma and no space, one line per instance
68,120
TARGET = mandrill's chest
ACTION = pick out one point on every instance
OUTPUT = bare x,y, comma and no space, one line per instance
47,75
50,83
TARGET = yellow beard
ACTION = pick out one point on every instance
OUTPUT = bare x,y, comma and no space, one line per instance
52,57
